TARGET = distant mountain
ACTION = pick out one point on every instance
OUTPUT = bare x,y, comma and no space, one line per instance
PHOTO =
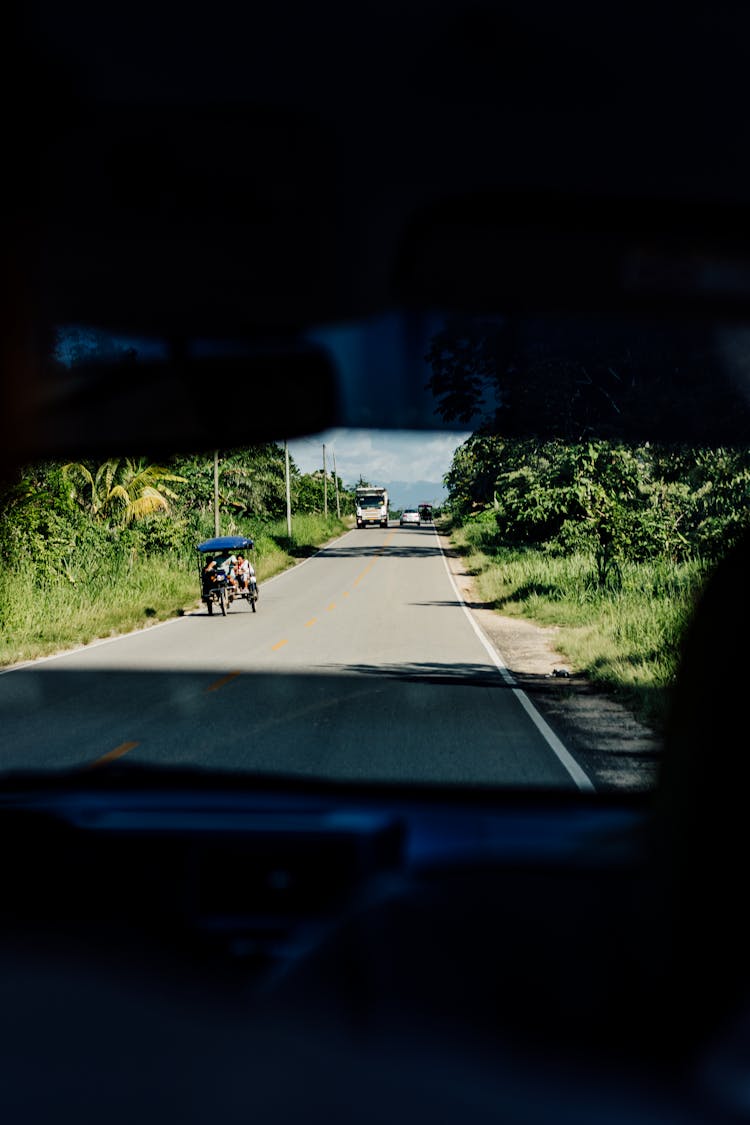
408,494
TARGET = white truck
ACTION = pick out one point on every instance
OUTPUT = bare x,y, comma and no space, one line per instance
371,506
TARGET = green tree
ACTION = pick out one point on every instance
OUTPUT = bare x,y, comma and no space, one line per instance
121,490
606,486
253,480
474,469
38,520
584,379
308,494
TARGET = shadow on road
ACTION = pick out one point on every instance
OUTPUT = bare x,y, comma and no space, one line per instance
465,675
365,550
451,603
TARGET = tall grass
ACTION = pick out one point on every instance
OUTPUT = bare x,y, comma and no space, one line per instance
628,639
120,589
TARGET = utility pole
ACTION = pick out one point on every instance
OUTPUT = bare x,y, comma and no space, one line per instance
336,482
288,494
216,493
325,484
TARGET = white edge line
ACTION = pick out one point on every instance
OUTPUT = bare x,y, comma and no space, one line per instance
582,780
92,644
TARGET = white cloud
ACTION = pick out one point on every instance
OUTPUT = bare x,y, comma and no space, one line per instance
379,455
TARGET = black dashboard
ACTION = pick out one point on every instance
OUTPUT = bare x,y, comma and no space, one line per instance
323,953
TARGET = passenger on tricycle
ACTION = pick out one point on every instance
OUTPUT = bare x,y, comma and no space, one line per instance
226,576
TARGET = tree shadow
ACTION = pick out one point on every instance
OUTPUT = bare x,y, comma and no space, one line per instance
523,593
372,550
453,603
297,551
430,672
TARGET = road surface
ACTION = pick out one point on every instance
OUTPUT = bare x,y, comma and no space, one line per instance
362,663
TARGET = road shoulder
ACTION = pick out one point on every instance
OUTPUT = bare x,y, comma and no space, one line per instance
616,751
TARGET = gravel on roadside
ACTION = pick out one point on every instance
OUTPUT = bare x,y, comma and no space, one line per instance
614,749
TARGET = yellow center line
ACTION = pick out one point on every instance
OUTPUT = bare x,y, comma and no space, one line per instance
378,555
331,606
279,644
364,572
118,752
346,593
220,683
310,622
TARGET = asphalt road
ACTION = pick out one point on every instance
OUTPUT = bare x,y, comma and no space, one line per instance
361,663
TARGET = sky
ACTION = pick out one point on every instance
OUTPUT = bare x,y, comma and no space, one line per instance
379,455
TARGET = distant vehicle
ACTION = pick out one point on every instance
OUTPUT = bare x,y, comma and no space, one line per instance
371,506
425,513
409,515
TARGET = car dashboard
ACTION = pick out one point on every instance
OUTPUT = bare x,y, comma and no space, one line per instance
297,950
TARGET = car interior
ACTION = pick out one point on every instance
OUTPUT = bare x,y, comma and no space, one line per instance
300,194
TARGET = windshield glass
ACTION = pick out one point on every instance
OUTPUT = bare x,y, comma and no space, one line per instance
581,479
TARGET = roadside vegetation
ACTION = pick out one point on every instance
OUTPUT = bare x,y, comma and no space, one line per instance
91,551
610,543
572,518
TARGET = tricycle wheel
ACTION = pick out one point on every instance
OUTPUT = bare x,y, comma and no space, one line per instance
210,606
223,602
253,601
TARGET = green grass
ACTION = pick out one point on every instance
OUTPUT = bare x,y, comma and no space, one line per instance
127,593
627,640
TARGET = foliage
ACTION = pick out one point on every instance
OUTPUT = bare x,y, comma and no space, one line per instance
253,481
116,579
471,478
617,503
121,490
309,494
469,359
582,488
592,531
578,380
252,485
626,639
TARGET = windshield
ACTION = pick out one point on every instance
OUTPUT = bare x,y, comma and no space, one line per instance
569,535
374,541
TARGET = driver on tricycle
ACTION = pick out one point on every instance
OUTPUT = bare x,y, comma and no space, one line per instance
209,576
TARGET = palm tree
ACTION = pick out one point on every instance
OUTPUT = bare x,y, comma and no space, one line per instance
121,489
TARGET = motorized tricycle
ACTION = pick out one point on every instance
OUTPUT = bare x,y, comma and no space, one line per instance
222,580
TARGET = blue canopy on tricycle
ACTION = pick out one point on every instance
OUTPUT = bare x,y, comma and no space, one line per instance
226,543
